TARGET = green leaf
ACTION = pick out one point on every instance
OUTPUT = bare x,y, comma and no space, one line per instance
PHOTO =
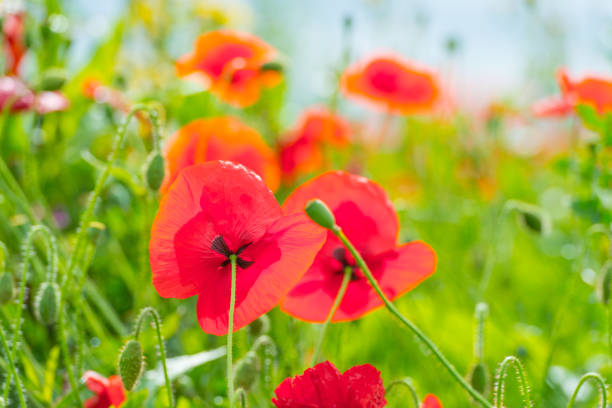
50,370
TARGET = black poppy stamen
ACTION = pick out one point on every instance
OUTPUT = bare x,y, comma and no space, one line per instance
339,254
218,245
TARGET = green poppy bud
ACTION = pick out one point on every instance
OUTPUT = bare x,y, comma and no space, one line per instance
53,79
155,171
246,371
272,66
531,217
131,364
320,213
479,378
259,326
46,304
7,287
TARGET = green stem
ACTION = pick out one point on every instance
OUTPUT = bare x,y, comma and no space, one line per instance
480,315
230,332
498,398
406,383
348,272
601,384
417,332
12,371
162,347
241,396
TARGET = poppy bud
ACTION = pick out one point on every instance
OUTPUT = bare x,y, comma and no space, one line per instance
271,66
606,278
53,79
246,371
259,326
131,364
47,303
531,217
7,287
320,213
479,378
155,171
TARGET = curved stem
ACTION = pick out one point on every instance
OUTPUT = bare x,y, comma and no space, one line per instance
162,347
406,383
498,398
241,395
230,332
348,272
601,384
417,332
12,371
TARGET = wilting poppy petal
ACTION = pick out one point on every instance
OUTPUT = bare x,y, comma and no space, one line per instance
392,84
322,386
230,63
109,391
431,401
215,209
223,138
366,216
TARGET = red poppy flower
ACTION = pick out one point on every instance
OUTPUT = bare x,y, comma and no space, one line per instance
431,401
552,107
323,386
231,64
366,216
96,90
109,391
215,209
223,138
590,90
302,152
13,30
392,84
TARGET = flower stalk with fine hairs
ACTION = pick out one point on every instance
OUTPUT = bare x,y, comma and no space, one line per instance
322,215
160,341
230,333
601,385
405,382
502,372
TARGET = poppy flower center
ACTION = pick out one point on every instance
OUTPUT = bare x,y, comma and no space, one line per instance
339,255
218,245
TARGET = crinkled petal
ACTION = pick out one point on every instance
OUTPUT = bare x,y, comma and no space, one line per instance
319,387
365,387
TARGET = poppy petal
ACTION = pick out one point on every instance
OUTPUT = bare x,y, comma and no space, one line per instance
279,259
431,401
319,387
365,387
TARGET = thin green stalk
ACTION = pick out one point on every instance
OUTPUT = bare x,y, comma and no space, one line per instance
348,272
12,371
601,384
417,332
498,397
162,347
241,396
406,383
481,316
230,333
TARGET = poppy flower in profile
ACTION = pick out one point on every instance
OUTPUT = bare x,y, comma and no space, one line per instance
216,209
233,65
109,391
302,152
13,30
392,84
431,401
222,138
323,386
367,217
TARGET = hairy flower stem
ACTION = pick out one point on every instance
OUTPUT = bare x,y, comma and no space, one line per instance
601,384
12,371
230,333
162,347
348,272
417,332
406,383
502,372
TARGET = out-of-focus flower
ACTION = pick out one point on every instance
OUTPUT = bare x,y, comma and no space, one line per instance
15,93
552,107
13,31
109,391
323,386
223,138
431,401
97,91
212,211
392,84
232,65
365,214
302,152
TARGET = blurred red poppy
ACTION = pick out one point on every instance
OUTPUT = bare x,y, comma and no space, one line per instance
232,65
323,386
368,219
97,91
223,138
431,401
392,84
109,391
216,209
302,152
13,31
15,92
552,107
